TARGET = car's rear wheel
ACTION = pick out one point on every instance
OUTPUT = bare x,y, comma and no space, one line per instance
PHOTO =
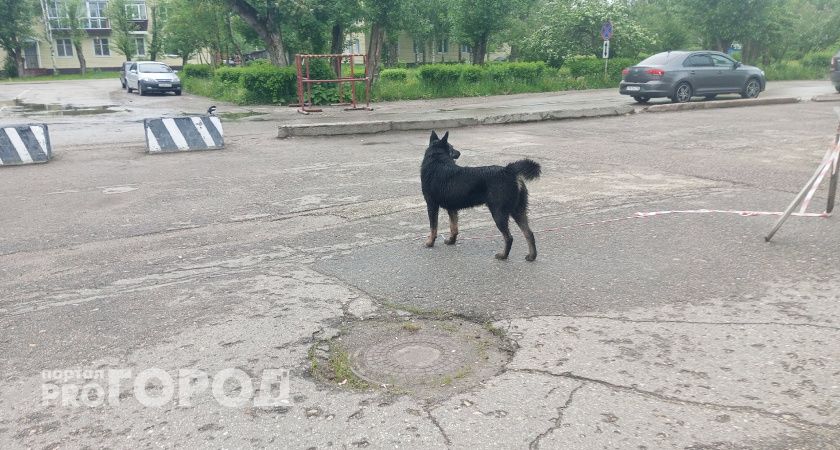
128,88
683,93
641,98
710,96
751,89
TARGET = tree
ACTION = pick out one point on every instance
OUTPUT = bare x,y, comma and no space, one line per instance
15,26
428,22
264,17
383,16
155,24
121,28
75,12
476,21
564,29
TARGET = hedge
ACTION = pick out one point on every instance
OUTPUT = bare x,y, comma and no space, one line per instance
590,66
269,84
394,74
198,70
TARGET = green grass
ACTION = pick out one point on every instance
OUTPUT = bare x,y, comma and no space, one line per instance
794,70
91,75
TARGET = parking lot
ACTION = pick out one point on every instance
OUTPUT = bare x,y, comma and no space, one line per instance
681,330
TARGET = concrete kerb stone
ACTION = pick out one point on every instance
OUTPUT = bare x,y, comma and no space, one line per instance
343,128
826,98
721,104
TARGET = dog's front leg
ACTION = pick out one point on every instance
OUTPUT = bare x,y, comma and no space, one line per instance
433,223
453,227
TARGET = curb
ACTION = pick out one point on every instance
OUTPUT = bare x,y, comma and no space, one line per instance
344,128
721,104
826,98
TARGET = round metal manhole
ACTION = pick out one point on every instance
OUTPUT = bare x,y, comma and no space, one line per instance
423,354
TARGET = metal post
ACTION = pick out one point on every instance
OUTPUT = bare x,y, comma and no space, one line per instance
800,196
832,185
301,109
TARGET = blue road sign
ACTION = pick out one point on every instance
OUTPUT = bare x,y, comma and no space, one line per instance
606,31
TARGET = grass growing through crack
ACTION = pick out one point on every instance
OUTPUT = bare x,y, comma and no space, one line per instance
494,330
340,367
411,327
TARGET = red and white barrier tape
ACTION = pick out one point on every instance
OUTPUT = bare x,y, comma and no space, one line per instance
645,215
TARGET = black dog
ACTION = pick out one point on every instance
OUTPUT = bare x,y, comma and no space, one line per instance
452,187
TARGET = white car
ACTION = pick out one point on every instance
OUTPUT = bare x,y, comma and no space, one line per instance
150,76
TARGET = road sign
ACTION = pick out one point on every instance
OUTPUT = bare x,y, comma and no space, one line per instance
606,31
606,52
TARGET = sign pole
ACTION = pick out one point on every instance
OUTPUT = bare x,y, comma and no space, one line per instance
606,34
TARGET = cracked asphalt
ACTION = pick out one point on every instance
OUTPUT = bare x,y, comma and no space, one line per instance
670,331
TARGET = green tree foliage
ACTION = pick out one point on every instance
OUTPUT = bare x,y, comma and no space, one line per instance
122,28
382,16
567,28
475,21
75,12
16,20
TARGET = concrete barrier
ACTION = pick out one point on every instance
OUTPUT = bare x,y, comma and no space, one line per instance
24,144
716,104
183,134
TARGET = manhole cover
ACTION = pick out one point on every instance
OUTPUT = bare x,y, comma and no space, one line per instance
422,354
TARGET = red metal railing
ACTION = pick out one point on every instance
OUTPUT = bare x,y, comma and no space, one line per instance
305,81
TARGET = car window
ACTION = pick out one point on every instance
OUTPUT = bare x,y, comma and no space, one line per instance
722,61
155,68
699,61
133,67
659,59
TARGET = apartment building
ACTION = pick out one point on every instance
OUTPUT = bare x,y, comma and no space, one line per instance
99,50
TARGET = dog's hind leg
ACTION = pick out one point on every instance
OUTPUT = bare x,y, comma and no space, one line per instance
502,223
433,223
453,227
521,219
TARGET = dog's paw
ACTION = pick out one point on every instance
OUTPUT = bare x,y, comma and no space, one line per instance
429,243
531,258
501,256
450,241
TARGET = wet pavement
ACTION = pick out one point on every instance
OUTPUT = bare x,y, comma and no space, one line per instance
306,254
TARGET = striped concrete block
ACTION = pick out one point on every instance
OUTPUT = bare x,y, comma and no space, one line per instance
181,134
24,144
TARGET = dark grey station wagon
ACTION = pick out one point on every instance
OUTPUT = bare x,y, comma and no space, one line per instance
681,75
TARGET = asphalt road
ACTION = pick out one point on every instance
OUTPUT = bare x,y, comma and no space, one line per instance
673,331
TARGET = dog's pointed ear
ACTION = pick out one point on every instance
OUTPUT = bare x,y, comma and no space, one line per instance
433,138
445,137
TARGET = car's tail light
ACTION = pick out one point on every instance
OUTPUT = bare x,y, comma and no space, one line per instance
655,72
625,71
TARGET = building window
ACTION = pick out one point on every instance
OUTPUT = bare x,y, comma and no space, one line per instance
353,47
136,11
140,44
64,47
100,47
465,48
443,46
96,15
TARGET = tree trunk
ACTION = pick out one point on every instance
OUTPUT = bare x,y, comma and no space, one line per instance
266,28
374,50
479,50
18,57
337,47
81,56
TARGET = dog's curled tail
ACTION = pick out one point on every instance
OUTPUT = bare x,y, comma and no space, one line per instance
525,168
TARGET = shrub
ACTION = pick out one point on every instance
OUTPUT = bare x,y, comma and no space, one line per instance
269,84
394,74
228,75
472,74
499,71
440,75
584,66
198,70
818,60
527,71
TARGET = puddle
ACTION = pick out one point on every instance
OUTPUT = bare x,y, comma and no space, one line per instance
240,115
53,109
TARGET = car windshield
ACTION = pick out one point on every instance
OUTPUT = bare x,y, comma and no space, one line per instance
154,68
659,59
